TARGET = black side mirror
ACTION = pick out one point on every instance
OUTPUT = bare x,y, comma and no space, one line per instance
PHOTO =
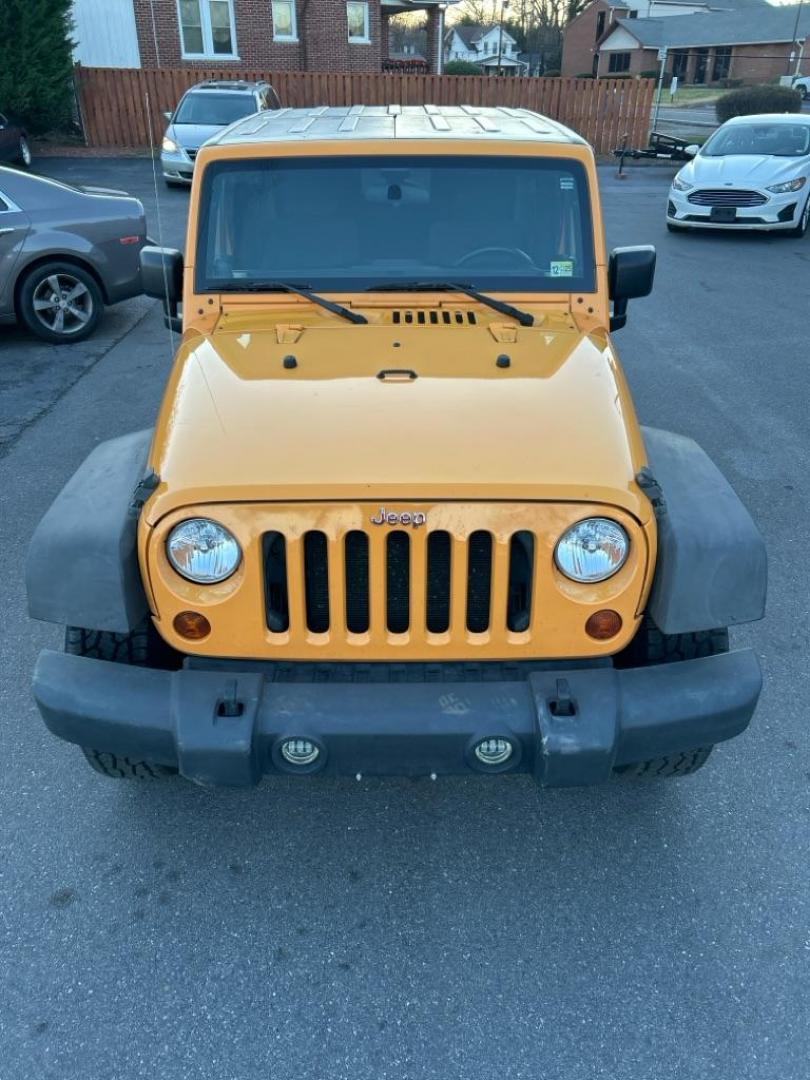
162,277
631,271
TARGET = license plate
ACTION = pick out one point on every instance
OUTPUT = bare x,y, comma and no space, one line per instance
723,214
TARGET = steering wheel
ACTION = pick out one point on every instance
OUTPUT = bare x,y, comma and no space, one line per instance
516,252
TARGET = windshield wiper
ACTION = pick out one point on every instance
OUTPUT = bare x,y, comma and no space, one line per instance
523,317
299,290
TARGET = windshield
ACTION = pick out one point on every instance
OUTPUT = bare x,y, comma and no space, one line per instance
521,224
218,110
778,140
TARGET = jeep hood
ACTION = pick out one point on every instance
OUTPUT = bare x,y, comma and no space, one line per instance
396,412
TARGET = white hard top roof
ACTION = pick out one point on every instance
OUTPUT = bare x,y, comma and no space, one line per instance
396,122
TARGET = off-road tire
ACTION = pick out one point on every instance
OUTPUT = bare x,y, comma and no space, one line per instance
124,768
142,647
673,765
650,646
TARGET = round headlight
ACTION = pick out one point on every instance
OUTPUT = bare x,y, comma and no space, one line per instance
592,550
203,551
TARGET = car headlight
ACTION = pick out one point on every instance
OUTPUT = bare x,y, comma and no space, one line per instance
681,185
203,551
789,185
169,145
592,550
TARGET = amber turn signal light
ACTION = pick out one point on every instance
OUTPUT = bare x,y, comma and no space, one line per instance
603,624
192,626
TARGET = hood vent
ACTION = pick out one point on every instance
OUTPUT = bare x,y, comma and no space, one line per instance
433,317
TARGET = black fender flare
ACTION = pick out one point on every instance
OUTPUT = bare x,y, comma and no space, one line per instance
82,567
712,567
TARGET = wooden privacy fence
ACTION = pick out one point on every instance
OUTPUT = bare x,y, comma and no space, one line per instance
114,111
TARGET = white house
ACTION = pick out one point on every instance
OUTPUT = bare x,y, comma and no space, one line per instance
487,46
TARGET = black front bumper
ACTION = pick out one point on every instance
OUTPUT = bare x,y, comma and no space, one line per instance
569,726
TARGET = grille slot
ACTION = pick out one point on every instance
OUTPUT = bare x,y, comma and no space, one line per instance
316,582
398,582
277,599
437,616
726,197
479,581
521,576
356,553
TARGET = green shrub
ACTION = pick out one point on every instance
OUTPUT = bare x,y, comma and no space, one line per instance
620,75
461,67
585,75
651,74
757,99
552,73
36,63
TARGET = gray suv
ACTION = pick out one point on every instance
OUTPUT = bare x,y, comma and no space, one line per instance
203,111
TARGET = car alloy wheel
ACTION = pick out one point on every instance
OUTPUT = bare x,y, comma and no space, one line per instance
63,304
25,152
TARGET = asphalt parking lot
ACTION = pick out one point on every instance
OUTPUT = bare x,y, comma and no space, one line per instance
467,929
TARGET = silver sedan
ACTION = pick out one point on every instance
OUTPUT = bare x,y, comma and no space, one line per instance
752,173
65,252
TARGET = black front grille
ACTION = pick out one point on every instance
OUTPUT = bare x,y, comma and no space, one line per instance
352,565
192,154
726,197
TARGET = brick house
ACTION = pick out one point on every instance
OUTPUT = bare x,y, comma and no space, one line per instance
280,35
747,40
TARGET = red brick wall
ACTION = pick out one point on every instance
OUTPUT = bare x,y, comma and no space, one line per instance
322,30
579,41
640,60
763,63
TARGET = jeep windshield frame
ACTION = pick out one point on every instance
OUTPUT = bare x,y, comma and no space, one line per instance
344,224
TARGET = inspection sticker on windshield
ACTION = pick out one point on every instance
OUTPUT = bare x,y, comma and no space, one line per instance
562,268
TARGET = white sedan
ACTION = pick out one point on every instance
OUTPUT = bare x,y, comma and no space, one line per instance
752,173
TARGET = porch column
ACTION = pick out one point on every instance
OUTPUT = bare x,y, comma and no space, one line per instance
435,44
385,35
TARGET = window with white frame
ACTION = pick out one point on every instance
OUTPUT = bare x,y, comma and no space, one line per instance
206,28
357,18
285,26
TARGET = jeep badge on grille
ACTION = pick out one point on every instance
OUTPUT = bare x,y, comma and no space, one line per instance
391,517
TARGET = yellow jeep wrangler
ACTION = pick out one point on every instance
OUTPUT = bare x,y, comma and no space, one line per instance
397,515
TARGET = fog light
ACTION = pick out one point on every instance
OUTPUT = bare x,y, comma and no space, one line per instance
192,625
299,751
603,624
493,751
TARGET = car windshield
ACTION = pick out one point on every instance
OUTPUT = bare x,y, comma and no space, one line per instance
218,110
776,140
353,223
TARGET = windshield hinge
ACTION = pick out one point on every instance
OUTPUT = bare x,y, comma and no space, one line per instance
288,334
143,490
651,488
